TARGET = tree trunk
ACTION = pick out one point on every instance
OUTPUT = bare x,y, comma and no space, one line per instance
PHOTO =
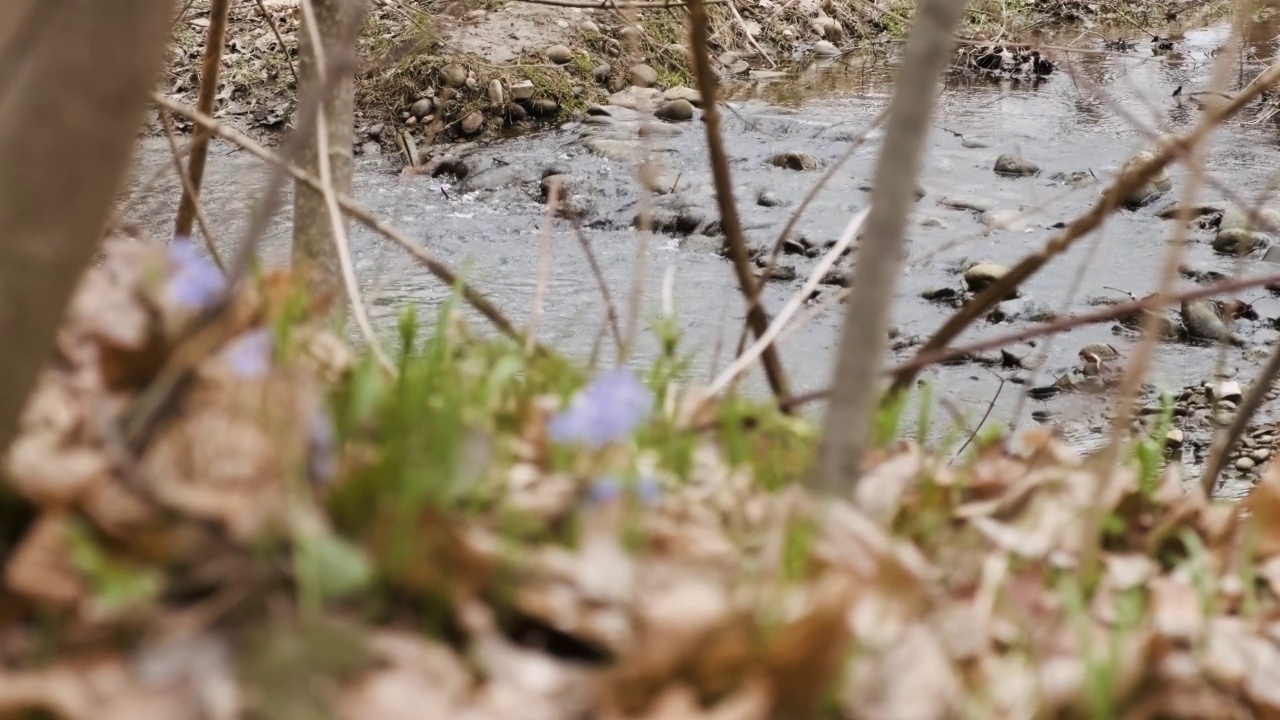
855,389
314,253
75,76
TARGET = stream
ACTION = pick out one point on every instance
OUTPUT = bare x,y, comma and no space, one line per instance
488,225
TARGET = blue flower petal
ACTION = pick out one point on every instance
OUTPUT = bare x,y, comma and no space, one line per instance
249,355
195,282
607,410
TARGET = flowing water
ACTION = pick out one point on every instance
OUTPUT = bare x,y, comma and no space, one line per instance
1065,124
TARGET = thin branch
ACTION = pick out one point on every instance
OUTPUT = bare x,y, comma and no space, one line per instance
284,49
354,209
1228,439
610,308
766,339
1111,199
188,188
990,406
923,359
734,239
864,334
210,70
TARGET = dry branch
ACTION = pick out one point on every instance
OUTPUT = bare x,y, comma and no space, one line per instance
737,244
210,71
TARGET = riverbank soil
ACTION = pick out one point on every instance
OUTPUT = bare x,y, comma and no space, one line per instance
434,71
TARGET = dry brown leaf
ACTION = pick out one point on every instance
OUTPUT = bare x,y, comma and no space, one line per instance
40,569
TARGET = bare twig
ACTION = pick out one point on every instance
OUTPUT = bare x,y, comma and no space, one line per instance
355,210
925,359
188,188
1111,199
1228,439
863,337
210,70
544,265
765,340
990,406
284,49
610,308
734,239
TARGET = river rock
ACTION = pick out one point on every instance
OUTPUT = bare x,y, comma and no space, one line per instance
1011,164
1169,211
1228,390
422,108
635,98
675,110
370,148
522,90
589,27
1098,351
980,276
778,273
642,75
516,113
824,48
453,76
623,151
559,54
1003,220
471,123
543,107
794,161
1238,241
680,92
1157,185
630,35
767,199
602,72
495,92
1202,321
1245,464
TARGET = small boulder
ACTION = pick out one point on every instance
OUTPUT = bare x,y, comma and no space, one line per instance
522,90
471,123
495,92
453,76
516,113
1201,319
794,161
602,72
824,48
681,92
1003,220
1238,241
964,202
1156,186
643,76
1272,255
544,107
980,276
589,27
422,108
559,54
1013,165
635,98
767,199
675,110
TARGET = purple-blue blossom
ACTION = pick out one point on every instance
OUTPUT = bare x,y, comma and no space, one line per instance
607,410
249,355
608,489
195,282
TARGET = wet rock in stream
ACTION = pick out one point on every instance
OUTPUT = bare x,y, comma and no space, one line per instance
1012,164
1203,320
979,276
1153,189
1240,232
795,160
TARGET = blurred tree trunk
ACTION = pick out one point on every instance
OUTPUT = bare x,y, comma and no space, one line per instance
855,387
314,252
75,76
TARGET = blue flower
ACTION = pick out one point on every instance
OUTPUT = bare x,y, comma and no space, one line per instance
607,410
195,282
321,462
607,489
250,354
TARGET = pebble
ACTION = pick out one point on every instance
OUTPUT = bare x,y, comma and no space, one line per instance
602,72
559,54
472,122
1223,419
495,92
516,113
824,48
522,90
375,130
1011,164
676,110
681,92
1173,438
631,35
1260,455
589,26
421,108
768,199
371,148
1245,464
794,161
980,276
544,107
452,76
475,15
642,75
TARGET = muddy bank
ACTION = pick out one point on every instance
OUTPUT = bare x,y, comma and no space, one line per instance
433,71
